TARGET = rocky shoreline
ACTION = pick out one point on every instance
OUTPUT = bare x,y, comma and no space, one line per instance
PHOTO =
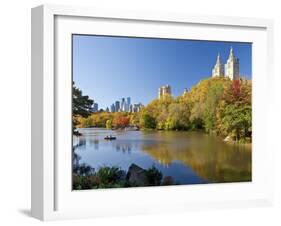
85,177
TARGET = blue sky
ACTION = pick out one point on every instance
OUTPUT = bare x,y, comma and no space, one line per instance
109,68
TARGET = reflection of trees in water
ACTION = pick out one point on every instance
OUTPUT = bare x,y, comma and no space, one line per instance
210,158
79,142
225,163
86,177
78,168
75,158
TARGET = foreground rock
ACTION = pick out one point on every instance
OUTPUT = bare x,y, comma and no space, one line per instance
168,180
136,175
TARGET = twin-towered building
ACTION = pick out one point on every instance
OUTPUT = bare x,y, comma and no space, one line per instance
229,70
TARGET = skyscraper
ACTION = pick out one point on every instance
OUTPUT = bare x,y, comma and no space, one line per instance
131,108
117,106
112,108
123,104
128,103
95,107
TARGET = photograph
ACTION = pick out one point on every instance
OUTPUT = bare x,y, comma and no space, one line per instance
150,111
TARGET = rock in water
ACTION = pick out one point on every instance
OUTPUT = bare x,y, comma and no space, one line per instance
136,175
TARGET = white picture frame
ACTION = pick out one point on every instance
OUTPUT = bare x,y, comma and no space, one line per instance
52,197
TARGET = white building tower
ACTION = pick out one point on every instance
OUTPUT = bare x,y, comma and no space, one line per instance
218,70
232,66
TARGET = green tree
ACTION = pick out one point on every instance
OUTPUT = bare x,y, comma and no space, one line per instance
148,121
178,117
237,121
81,106
153,176
212,100
135,119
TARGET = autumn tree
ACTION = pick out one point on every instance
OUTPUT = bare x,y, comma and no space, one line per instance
178,117
234,112
217,105
120,120
108,124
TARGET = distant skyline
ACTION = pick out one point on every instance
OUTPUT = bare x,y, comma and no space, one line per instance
108,68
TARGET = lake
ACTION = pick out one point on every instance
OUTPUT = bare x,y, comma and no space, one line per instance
188,157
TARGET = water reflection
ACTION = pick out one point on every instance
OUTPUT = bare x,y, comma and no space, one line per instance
124,148
189,157
210,158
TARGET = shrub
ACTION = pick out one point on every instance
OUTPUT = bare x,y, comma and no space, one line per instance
153,176
108,174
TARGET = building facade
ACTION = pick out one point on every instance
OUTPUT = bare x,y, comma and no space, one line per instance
123,104
232,66
112,108
218,70
95,107
229,70
164,90
136,107
128,104
117,106
185,91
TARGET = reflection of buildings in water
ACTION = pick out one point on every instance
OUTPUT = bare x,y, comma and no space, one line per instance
163,163
94,143
124,147
136,145
82,142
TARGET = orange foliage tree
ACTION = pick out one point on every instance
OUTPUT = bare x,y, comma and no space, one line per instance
120,120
